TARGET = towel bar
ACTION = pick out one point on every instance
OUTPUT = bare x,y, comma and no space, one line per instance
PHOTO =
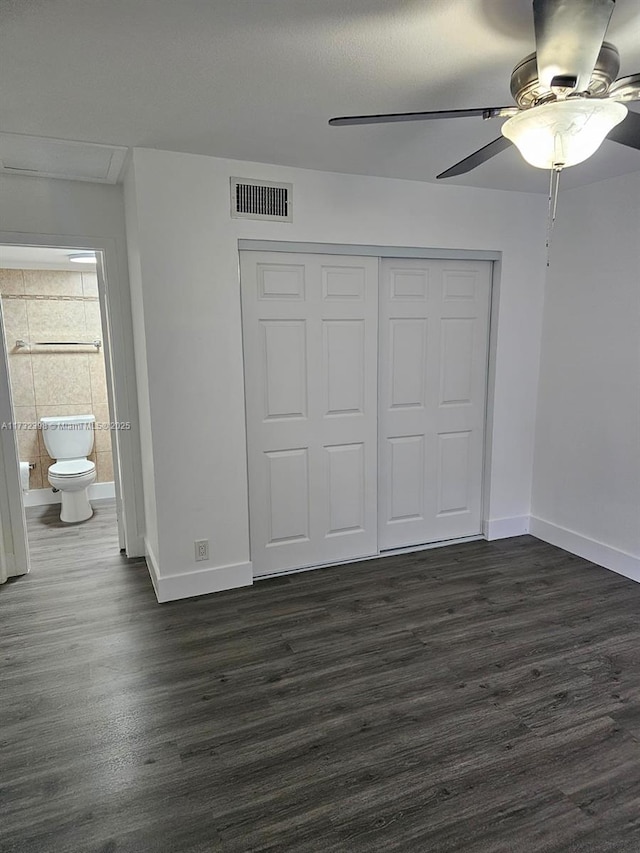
20,344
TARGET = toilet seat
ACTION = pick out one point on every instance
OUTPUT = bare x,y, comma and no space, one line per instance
70,469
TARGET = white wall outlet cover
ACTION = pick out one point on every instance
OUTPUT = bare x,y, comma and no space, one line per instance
202,550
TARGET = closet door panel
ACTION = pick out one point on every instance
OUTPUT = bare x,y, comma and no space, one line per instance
434,327
310,326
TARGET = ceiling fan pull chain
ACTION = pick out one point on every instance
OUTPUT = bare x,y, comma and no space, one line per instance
554,186
556,170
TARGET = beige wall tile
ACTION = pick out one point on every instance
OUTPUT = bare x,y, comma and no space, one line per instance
16,325
53,282
21,378
55,409
56,320
93,320
28,447
102,437
98,379
43,464
11,281
58,410
89,284
35,476
25,415
61,379
28,444
105,467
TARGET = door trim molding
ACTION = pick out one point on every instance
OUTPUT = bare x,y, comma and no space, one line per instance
425,253
14,553
490,390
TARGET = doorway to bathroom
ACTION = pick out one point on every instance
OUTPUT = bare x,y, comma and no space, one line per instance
61,403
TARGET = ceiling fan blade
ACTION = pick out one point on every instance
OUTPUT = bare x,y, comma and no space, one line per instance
477,158
484,112
628,131
569,35
625,89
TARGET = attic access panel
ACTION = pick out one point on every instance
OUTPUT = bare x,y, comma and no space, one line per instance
43,157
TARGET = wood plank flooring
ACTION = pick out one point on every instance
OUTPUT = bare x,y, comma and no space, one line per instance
482,698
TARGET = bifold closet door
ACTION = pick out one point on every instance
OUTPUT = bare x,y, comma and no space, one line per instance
310,329
434,322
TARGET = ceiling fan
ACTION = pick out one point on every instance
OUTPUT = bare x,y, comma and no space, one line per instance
568,99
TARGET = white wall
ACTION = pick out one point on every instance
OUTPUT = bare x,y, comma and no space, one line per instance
185,244
586,491
93,213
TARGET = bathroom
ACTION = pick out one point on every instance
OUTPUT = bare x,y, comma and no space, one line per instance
56,358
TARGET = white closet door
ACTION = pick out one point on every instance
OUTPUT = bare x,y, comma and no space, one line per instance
310,328
434,318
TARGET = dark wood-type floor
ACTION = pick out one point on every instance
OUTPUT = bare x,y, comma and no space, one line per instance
481,698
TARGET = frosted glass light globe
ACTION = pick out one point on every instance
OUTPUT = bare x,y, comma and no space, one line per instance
563,133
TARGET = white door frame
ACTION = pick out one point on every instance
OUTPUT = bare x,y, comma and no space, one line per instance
424,252
14,553
115,312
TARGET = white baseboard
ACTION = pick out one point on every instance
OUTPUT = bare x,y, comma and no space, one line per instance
590,549
40,497
219,578
102,491
199,582
504,528
152,566
43,497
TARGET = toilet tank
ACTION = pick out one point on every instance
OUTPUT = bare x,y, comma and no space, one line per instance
69,437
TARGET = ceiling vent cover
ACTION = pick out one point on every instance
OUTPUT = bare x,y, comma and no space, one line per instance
260,200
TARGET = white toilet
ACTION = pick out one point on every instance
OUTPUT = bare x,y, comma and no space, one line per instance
69,440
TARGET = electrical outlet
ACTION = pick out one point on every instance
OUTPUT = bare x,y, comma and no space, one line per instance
202,550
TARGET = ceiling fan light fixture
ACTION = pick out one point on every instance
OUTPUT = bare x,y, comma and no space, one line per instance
563,133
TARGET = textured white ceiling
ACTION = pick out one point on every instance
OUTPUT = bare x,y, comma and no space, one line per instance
258,79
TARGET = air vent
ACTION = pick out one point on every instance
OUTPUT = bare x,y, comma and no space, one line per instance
260,200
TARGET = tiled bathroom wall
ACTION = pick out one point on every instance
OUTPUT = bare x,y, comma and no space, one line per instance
55,305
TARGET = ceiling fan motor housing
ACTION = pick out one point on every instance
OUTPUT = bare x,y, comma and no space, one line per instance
528,91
